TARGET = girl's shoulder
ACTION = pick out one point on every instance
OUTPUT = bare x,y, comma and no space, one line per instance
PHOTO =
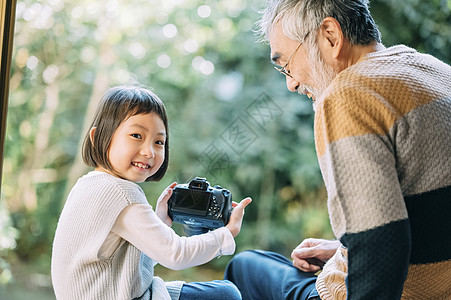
108,185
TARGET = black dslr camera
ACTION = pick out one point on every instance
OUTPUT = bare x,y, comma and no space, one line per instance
200,207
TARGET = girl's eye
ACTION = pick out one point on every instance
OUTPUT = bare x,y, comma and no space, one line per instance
136,135
160,143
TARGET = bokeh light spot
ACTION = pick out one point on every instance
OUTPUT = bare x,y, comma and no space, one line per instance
164,61
204,11
169,30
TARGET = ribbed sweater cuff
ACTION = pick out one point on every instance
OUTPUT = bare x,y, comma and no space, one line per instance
225,240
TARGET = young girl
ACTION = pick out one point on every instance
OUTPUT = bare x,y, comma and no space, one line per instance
108,237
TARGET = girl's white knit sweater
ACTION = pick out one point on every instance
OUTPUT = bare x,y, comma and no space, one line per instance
108,240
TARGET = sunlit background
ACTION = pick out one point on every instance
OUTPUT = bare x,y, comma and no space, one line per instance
231,118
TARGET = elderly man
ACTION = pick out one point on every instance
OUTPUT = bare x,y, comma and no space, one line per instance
383,141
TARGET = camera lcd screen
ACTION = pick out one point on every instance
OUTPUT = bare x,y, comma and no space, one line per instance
194,202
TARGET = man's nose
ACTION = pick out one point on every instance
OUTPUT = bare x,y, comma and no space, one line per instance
292,84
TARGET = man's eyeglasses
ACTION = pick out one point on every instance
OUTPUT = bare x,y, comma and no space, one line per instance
283,70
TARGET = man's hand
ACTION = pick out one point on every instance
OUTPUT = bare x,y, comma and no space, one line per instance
161,208
312,254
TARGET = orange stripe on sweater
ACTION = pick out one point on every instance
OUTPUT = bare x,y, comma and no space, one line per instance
364,106
428,281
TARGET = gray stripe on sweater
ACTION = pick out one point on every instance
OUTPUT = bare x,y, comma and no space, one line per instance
366,168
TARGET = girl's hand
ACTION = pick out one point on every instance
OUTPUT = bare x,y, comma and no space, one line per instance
236,218
161,208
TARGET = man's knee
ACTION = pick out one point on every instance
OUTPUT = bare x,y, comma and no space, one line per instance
251,257
240,265
242,258
245,257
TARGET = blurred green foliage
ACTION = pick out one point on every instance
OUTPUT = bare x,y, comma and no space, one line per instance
231,118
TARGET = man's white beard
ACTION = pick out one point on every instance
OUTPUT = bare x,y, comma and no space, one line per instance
322,73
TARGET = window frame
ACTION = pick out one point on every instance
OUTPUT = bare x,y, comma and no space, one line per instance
8,17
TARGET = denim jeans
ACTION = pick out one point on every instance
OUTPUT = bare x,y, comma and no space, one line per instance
214,290
270,276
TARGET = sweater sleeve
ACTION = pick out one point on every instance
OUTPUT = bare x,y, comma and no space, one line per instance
366,205
139,225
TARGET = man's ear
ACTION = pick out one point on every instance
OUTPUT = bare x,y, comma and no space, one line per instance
332,37
91,134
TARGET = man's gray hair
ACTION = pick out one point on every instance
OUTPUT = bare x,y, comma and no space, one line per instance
299,17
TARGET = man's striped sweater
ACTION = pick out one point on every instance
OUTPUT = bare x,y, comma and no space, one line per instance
383,140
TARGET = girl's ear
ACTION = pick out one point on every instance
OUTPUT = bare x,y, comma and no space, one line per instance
91,134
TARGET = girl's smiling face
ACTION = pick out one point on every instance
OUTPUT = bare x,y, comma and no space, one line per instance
137,147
